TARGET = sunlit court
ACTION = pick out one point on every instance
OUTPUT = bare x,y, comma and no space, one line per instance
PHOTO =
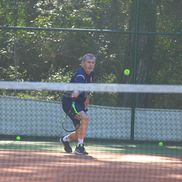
46,161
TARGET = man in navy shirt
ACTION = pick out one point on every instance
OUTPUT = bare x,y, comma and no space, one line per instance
75,105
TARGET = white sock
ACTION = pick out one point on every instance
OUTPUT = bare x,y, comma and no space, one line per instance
66,138
80,141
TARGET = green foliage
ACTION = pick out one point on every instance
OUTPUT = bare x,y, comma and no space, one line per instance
60,76
12,73
54,56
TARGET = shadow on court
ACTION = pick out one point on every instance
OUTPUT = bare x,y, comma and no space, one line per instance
46,166
46,162
146,149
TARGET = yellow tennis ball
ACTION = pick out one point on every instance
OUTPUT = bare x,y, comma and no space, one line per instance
127,72
161,144
18,137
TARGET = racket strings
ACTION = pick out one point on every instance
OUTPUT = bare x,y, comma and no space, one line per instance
68,125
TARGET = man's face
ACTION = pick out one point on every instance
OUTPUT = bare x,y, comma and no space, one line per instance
88,65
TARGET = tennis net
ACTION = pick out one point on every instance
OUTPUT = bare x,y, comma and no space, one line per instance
117,111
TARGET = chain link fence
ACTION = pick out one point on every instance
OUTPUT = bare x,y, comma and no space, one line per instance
42,118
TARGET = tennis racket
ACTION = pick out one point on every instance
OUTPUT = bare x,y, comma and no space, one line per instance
67,123
68,126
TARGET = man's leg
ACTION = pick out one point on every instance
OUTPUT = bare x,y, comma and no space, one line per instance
81,133
82,130
66,105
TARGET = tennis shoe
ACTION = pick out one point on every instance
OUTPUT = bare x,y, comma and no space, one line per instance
67,146
80,150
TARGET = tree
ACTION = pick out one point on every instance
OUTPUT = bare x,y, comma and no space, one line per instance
140,48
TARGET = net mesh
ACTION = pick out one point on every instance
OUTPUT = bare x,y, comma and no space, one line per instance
127,143
42,117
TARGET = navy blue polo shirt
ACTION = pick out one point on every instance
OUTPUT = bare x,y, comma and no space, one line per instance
80,76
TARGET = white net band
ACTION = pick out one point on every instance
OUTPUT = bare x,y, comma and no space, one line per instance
98,87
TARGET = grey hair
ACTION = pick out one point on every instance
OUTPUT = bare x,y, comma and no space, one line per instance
88,56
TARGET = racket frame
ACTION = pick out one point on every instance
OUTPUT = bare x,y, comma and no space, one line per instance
76,114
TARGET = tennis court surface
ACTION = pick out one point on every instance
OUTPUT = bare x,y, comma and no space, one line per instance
46,161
